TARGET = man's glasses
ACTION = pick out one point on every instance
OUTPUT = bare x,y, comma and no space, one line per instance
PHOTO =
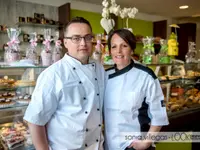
77,39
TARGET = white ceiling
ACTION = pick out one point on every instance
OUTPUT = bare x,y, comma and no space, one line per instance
160,7
169,8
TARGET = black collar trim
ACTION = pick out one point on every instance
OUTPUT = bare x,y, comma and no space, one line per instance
122,71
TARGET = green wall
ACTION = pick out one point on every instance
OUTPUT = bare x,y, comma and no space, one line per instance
140,27
93,18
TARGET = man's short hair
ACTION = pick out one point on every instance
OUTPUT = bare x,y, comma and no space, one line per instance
77,20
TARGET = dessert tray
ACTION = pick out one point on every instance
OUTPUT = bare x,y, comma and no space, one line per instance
15,136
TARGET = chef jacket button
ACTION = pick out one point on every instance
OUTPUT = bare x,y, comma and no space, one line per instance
97,140
99,125
86,129
97,94
74,68
93,65
96,79
98,109
86,112
84,98
80,82
85,145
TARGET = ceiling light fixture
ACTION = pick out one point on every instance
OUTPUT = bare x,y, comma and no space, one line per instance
184,7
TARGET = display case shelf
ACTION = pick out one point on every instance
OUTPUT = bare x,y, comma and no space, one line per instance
15,107
167,64
38,25
15,88
178,80
191,109
173,64
20,67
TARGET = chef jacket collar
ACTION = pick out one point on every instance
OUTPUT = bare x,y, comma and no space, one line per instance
76,63
122,71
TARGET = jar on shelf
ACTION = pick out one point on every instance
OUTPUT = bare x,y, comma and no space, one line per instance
12,54
46,54
57,54
31,53
147,57
163,57
190,57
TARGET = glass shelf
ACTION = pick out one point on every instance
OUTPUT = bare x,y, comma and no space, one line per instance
191,109
38,25
167,64
172,64
20,67
16,106
179,79
15,88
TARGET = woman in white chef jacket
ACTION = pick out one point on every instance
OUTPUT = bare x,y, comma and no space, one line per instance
133,101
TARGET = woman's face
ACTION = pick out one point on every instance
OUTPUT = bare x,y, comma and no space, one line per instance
120,51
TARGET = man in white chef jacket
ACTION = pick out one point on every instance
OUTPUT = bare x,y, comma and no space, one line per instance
65,112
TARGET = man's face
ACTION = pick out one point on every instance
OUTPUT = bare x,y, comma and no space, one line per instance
79,50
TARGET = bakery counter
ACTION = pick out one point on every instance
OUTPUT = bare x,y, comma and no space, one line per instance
184,120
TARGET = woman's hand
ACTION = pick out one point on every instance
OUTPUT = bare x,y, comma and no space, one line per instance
141,144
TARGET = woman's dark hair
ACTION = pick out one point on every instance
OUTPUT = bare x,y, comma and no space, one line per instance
126,35
77,20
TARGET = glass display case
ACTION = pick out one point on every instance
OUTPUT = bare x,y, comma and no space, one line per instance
180,83
16,87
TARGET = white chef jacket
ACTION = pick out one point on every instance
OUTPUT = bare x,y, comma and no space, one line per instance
133,101
68,99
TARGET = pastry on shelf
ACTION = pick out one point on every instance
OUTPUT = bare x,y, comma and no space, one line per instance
24,83
197,74
7,95
8,133
176,103
15,142
6,102
192,91
162,78
3,85
7,80
18,124
174,77
188,77
24,99
12,94
175,107
15,134
190,73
